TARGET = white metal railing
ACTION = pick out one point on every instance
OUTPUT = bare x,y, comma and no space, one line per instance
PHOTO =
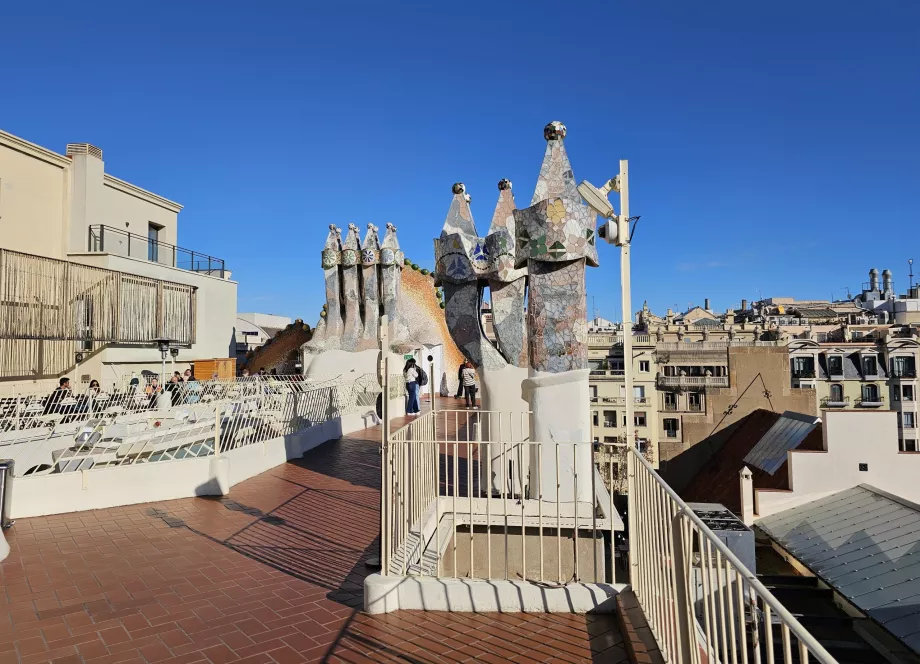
461,487
693,381
700,601
620,401
63,432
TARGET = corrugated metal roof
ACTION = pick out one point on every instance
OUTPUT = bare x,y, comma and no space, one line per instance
787,433
864,543
816,313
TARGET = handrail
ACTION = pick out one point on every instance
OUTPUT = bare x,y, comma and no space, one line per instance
149,250
750,579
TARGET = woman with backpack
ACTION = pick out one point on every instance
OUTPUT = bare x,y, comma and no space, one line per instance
412,374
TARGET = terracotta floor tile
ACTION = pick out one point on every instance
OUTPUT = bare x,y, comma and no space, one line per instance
267,575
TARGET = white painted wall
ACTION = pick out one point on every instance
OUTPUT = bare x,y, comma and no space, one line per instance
850,438
34,198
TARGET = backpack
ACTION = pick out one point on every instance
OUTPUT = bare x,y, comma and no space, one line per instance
422,377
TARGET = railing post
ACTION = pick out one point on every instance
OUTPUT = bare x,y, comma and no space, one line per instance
102,238
683,608
129,245
218,412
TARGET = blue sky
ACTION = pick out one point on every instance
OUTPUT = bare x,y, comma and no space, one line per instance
773,146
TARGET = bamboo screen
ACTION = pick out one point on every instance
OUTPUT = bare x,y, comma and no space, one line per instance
49,307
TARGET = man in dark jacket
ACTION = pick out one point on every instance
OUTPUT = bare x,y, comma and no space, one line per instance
61,392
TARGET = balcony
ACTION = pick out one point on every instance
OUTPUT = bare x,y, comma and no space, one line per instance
692,381
610,424
695,408
904,373
621,401
607,374
828,402
803,373
107,239
871,401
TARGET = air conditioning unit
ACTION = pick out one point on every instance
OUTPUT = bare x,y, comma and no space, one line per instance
737,537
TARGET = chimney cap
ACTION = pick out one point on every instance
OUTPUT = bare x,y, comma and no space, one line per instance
83,148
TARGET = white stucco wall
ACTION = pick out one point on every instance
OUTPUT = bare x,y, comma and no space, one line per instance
33,199
851,437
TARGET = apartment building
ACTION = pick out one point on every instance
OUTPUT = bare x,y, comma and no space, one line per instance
878,372
91,274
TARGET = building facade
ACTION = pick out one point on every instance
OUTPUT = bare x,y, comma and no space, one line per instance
91,274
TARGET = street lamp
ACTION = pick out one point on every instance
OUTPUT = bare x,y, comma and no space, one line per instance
163,345
615,230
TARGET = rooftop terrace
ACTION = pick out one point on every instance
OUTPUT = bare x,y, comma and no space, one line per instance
271,573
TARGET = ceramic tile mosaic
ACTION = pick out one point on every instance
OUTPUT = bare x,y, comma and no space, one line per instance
370,288
557,317
329,328
551,241
353,326
390,282
465,264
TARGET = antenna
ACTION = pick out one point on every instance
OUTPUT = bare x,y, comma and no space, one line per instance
910,262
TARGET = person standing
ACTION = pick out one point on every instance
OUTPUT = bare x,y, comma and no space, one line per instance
411,376
459,394
468,375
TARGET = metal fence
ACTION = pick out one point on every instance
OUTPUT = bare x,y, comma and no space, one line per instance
116,241
467,494
66,431
701,603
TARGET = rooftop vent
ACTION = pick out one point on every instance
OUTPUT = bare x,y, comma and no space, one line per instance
83,148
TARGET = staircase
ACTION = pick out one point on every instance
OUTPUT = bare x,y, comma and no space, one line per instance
281,351
814,607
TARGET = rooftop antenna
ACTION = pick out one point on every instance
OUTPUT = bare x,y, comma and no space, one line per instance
910,263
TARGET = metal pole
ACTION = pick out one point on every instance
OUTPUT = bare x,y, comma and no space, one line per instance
217,415
431,385
623,237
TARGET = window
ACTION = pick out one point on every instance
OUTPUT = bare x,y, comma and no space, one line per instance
639,391
615,364
803,367
864,467
670,401
594,417
907,445
695,399
610,439
903,367
907,418
644,366
908,392
836,393
153,242
610,418
671,424
870,393
639,419
870,365
597,440
835,365
593,392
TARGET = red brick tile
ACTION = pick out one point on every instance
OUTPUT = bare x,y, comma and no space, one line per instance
31,646
220,654
155,652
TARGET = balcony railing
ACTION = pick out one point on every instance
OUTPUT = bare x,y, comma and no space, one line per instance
803,373
835,402
607,374
108,239
903,373
872,401
693,381
702,604
621,401
712,345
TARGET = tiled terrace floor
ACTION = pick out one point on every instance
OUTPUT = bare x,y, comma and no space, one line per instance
271,573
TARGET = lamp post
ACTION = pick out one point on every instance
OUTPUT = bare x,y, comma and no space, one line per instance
163,345
616,231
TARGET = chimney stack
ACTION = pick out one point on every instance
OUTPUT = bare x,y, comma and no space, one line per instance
743,305
873,279
706,304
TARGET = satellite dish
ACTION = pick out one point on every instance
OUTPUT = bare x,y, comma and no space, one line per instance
595,199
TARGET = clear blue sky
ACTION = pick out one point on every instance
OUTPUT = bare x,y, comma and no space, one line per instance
773,146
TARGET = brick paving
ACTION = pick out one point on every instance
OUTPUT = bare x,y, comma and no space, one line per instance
271,573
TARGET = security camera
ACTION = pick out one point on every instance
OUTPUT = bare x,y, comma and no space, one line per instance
596,199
